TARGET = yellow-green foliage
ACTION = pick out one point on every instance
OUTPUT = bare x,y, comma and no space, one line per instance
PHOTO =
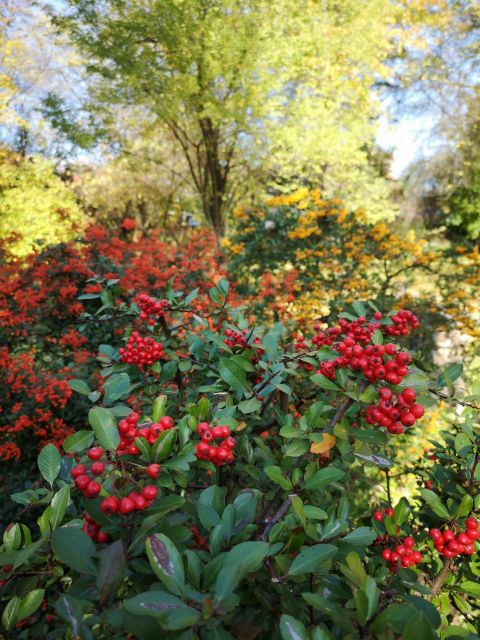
36,207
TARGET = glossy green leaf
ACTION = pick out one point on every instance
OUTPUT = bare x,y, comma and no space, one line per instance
49,461
78,441
311,558
292,629
105,427
435,503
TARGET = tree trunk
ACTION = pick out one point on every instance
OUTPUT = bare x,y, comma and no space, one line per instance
215,174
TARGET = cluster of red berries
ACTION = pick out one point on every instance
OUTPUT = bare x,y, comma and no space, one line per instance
235,338
150,308
379,515
218,454
359,330
451,545
93,530
375,361
141,351
403,553
134,501
128,430
395,411
403,322
87,485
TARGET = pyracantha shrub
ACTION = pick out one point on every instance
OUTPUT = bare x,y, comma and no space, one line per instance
142,533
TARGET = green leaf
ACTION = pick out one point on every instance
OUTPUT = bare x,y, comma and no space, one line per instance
159,405
362,537
9,615
172,613
297,505
323,382
276,474
368,395
78,441
435,503
79,386
239,561
297,448
104,427
49,461
12,537
464,507
249,406
59,506
418,627
233,374
166,562
111,570
116,387
162,446
311,558
30,603
331,609
292,629
366,599
470,587
144,447
323,478
450,375
75,549
402,511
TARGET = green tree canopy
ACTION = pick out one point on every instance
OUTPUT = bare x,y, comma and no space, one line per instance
246,88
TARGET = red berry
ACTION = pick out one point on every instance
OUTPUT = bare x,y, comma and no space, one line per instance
386,554
140,502
149,492
471,523
97,468
153,470
110,505
81,482
102,537
378,516
462,538
409,542
202,427
389,512
385,393
127,505
448,535
473,534
167,422
417,410
409,395
78,470
93,489
95,454
408,419
217,432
